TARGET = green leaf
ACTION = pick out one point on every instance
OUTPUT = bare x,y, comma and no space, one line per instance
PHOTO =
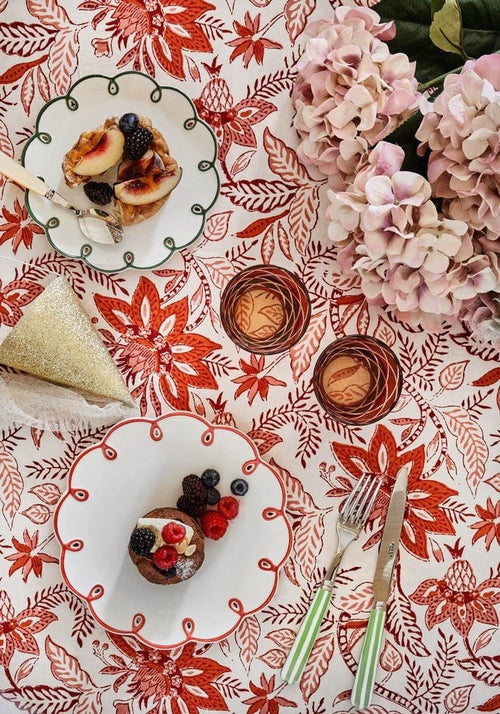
413,18
404,136
446,28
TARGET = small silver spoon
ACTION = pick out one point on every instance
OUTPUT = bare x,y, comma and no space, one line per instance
97,225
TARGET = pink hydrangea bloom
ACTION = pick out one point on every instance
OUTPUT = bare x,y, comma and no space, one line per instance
350,93
462,130
409,258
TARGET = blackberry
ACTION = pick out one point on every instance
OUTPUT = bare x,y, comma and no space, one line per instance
213,496
141,541
170,573
128,123
239,487
193,488
98,192
137,144
210,478
192,508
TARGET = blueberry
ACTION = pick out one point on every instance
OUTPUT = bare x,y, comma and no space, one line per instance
128,123
170,573
213,496
239,487
210,478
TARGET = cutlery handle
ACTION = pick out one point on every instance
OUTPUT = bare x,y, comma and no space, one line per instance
16,171
306,636
367,668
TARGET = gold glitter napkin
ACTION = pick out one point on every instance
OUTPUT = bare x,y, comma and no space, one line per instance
55,340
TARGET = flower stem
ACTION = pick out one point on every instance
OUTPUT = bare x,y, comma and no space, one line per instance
437,80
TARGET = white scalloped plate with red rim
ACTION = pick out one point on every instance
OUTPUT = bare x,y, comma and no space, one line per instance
139,466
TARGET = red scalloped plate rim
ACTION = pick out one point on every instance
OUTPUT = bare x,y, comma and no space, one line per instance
157,420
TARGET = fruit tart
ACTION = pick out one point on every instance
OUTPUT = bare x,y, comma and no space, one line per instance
167,546
136,155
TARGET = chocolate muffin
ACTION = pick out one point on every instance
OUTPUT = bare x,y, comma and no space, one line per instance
170,560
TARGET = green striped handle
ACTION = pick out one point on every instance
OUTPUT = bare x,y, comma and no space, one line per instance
367,668
306,636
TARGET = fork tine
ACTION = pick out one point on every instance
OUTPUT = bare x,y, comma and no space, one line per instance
365,493
355,495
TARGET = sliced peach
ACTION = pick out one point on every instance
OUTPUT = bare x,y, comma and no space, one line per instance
106,153
135,168
148,189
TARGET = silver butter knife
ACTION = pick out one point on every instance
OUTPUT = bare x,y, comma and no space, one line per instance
367,668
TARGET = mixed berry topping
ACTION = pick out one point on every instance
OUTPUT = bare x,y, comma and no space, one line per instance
141,541
98,192
173,532
229,507
213,524
210,478
192,508
137,143
165,557
239,487
128,123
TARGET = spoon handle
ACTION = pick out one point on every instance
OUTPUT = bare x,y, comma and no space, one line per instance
15,171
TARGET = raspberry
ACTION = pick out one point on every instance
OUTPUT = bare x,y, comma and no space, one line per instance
210,478
193,488
141,541
165,557
213,524
192,508
229,507
173,532
213,496
137,144
239,487
98,192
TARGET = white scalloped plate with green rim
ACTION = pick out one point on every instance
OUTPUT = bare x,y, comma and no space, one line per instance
192,143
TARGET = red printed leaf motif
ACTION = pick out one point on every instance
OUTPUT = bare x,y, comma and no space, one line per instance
283,161
66,668
264,440
49,12
221,270
470,443
274,658
47,492
296,13
491,377
267,245
484,669
390,658
490,705
217,226
28,91
284,637
308,540
259,194
452,376
5,142
37,513
247,638
284,241
457,700
24,40
484,639
63,59
384,332
242,162
25,669
42,699
359,599
317,664
303,217
305,349
11,485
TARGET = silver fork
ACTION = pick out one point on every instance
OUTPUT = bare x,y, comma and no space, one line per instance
352,518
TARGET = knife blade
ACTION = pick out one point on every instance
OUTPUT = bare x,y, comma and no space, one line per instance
367,668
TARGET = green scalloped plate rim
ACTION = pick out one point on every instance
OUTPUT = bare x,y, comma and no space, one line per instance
128,256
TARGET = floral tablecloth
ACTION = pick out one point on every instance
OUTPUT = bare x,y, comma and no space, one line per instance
236,61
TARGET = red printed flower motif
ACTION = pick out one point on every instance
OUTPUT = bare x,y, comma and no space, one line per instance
489,525
16,631
232,123
252,383
266,700
154,345
14,296
458,597
28,556
424,513
186,680
159,29
247,44
19,227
